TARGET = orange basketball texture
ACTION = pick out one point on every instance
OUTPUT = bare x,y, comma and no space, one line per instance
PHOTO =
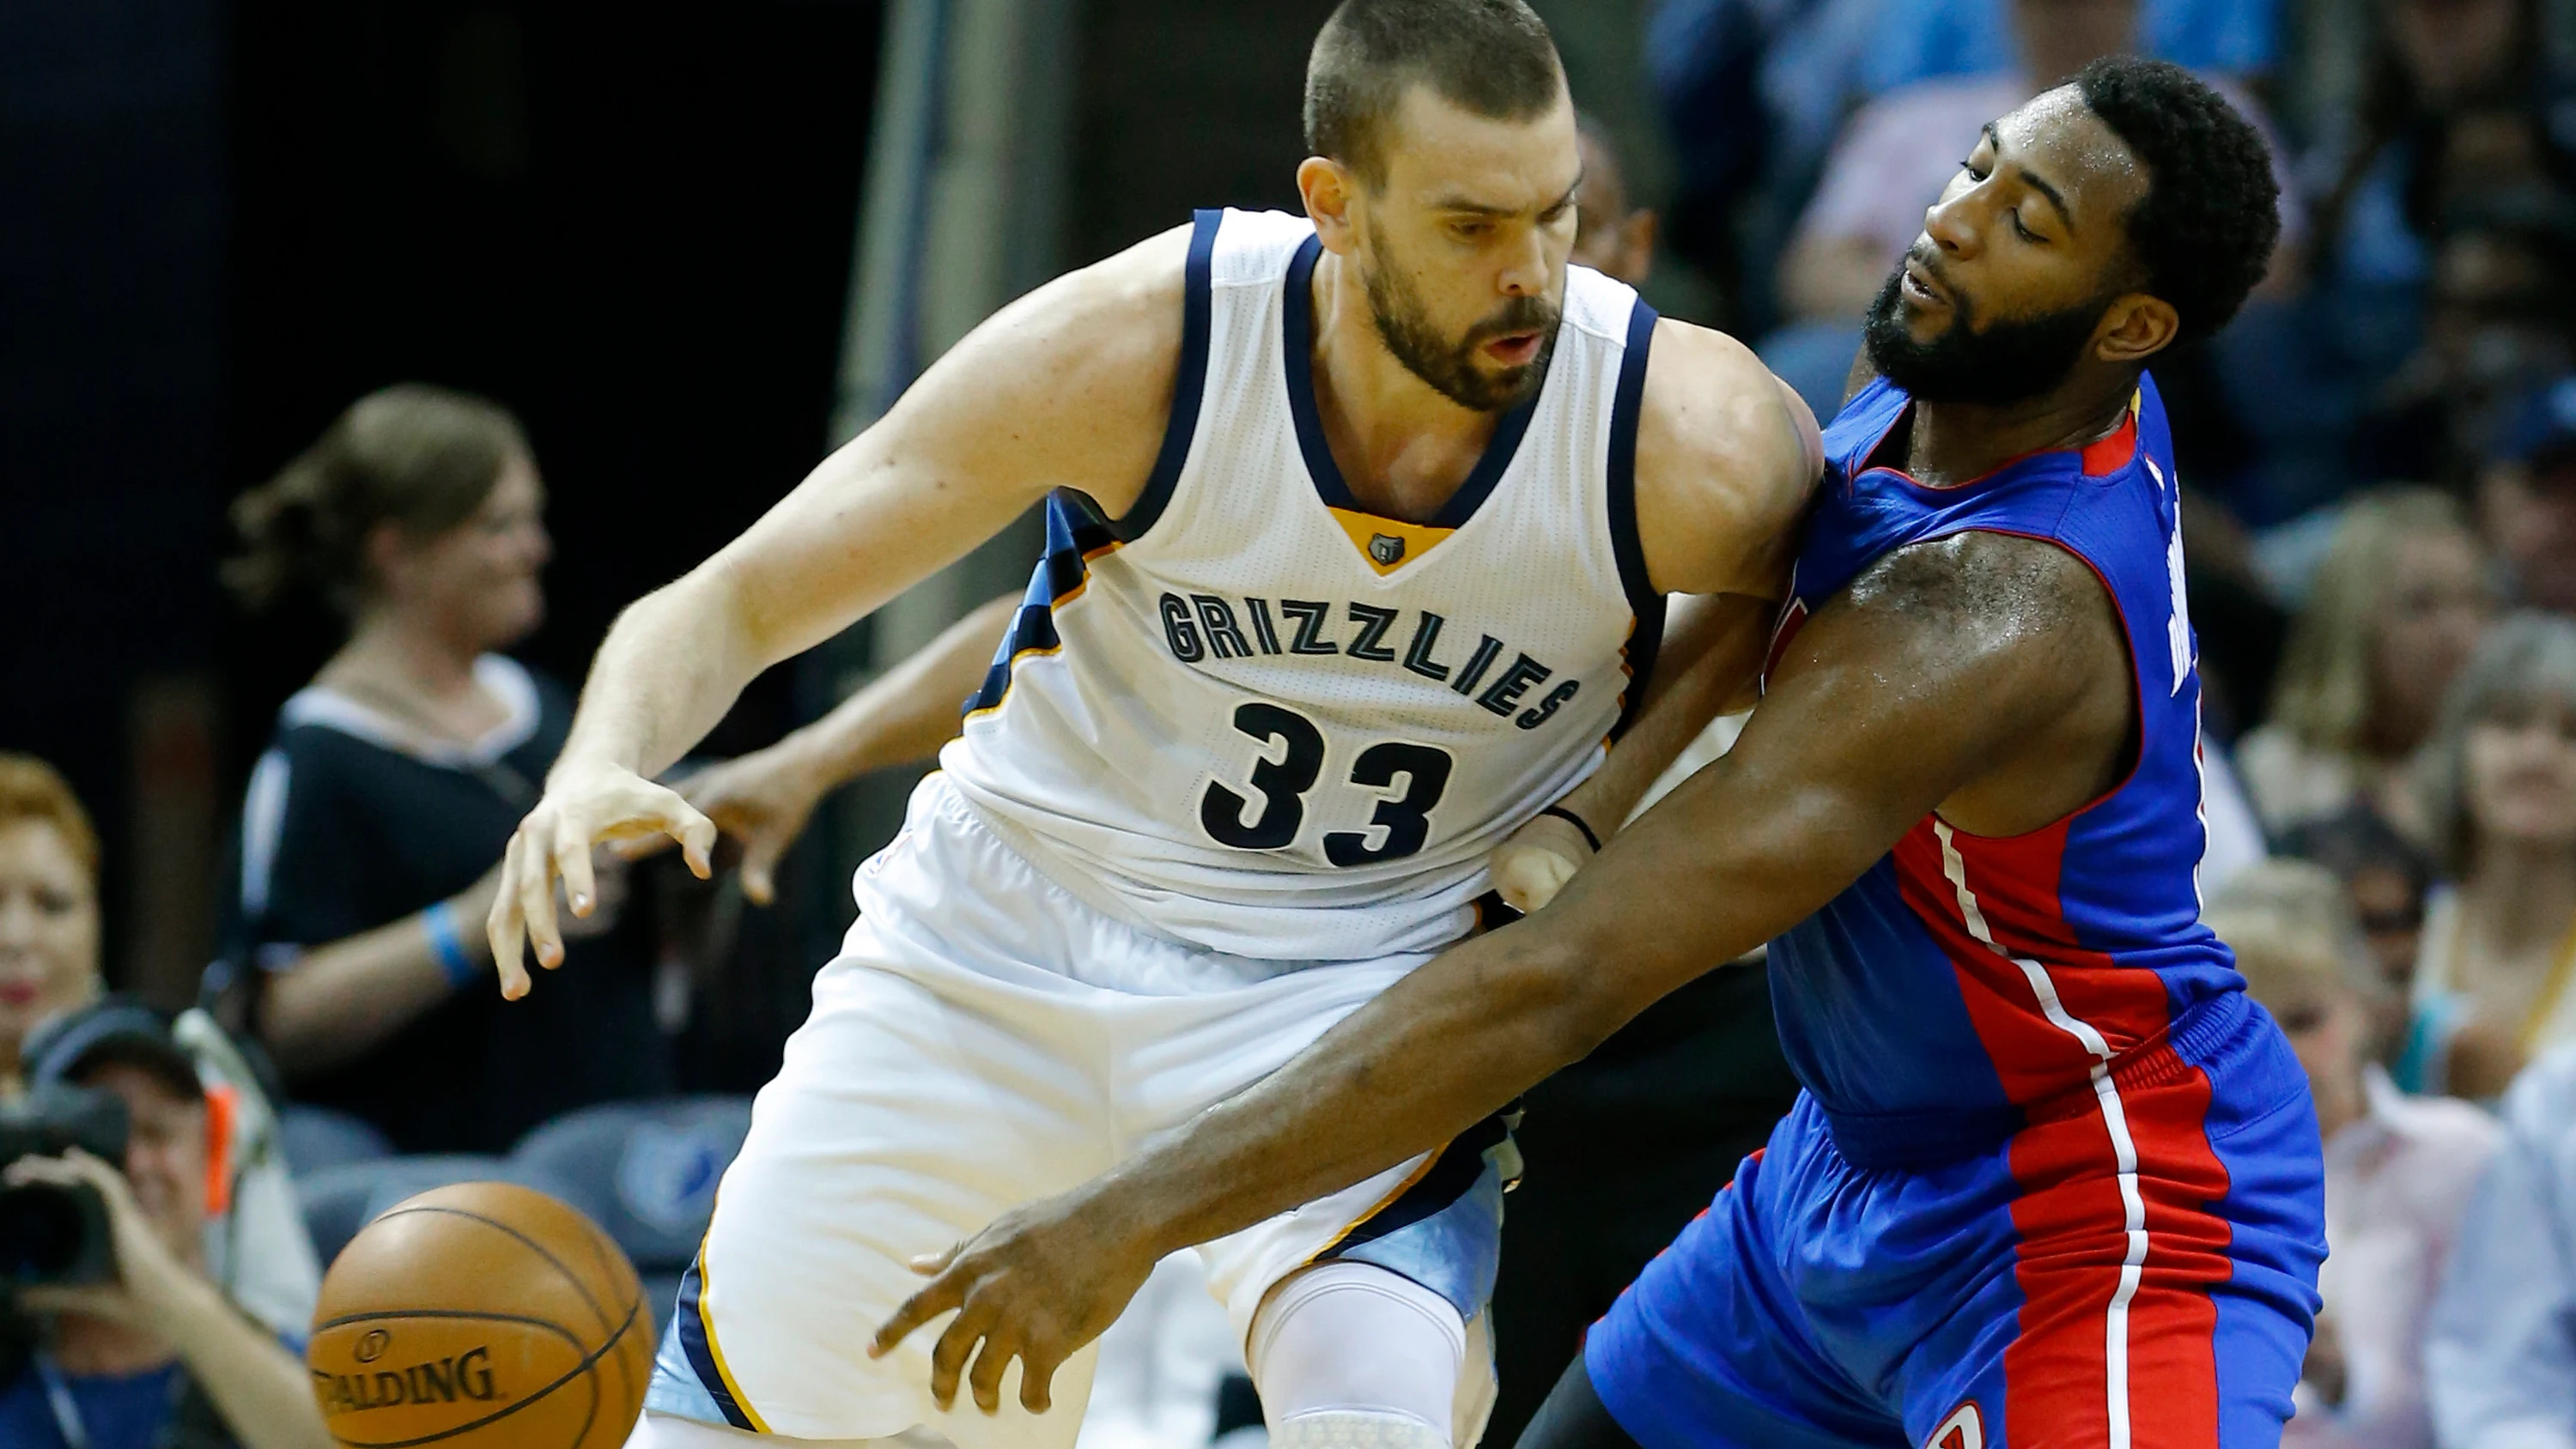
481,1316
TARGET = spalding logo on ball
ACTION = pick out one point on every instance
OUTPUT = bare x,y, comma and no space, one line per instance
480,1316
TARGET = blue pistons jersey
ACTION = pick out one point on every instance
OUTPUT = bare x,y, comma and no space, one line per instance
2055,1178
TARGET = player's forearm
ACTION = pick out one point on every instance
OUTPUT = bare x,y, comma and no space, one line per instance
1440,1050
259,1390
669,669
1726,862
1711,658
907,713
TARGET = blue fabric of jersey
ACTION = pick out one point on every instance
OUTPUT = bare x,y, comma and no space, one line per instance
1920,1042
1819,1304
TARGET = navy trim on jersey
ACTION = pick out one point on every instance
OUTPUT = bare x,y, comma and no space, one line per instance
1076,533
1449,1177
1297,322
1644,601
692,1325
1197,288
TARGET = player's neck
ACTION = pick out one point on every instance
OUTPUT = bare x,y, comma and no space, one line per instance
1403,447
1950,443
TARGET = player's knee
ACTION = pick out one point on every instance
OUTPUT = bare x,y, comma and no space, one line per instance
1351,1356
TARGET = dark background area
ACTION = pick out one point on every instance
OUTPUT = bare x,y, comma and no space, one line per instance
221,223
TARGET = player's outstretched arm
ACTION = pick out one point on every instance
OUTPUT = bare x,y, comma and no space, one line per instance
1984,675
902,716
1067,387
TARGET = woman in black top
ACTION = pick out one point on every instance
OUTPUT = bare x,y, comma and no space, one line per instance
375,823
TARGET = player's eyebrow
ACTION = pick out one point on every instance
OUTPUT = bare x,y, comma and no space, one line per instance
1478,208
2032,179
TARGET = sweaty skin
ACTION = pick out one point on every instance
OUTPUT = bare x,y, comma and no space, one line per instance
1071,387
1982,676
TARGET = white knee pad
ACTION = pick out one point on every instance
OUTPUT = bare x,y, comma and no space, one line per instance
1352,1356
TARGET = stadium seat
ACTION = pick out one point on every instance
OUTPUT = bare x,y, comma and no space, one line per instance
645,1171
318,1137
340,1200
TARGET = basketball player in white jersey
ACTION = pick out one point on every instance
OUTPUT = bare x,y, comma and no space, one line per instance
1359,529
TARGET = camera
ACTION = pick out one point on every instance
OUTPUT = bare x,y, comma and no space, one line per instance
52,1234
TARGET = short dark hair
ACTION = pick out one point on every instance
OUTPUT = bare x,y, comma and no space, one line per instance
1492,57
2203,234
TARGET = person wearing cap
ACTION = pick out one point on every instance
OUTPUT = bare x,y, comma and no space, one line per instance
160,1355
2527,497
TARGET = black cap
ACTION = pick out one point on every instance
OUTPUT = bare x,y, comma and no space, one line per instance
112,1029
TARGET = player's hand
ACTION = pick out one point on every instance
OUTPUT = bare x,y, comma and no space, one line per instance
764,800
1530,867
1038,1284
593,805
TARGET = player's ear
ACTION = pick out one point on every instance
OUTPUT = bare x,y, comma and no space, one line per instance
1329,189
2136,327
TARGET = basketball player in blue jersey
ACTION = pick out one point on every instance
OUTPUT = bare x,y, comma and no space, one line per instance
1359,529
2055,1180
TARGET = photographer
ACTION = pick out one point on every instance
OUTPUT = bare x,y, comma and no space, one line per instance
157,1357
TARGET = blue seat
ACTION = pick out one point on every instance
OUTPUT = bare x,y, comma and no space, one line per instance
645,1171
340,1200
318,1137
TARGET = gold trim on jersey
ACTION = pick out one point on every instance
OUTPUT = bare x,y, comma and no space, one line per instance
1387,543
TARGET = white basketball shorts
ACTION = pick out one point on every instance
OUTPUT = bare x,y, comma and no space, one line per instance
984,1039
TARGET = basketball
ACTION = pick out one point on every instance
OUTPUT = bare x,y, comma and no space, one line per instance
480,1316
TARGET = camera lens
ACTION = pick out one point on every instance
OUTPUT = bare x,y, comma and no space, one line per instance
40,1233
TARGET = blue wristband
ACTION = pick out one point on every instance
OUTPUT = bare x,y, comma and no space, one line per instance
446,946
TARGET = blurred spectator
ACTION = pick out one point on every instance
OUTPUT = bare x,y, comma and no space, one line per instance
49,924
159,1355
2492,984
2501,1357
1611,236
49,965
1927,39
2399,1169
2440,139
375,823
2393,611
2495,323
2527,497
1891,163
2385,880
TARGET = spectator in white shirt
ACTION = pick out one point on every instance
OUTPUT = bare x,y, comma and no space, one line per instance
2399,1169
2502,1352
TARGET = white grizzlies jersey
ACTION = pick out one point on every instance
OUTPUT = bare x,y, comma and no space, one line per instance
1253,716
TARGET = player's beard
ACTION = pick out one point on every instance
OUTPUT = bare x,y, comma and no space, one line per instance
1404,325
2004,363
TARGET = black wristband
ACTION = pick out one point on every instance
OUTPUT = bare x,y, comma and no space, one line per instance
1570,818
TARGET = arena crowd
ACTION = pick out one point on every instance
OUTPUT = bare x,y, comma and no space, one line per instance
2379,462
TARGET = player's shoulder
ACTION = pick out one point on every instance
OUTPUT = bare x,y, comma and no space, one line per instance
1727,460
1118,310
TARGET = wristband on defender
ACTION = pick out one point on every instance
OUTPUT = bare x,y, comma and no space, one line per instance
446,946
1570,818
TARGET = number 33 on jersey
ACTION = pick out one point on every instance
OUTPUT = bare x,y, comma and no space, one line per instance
1254,717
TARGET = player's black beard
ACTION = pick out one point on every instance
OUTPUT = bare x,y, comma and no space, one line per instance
1450,368
2007,362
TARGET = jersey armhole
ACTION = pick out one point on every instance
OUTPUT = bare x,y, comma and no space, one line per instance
1188,384
1645,604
